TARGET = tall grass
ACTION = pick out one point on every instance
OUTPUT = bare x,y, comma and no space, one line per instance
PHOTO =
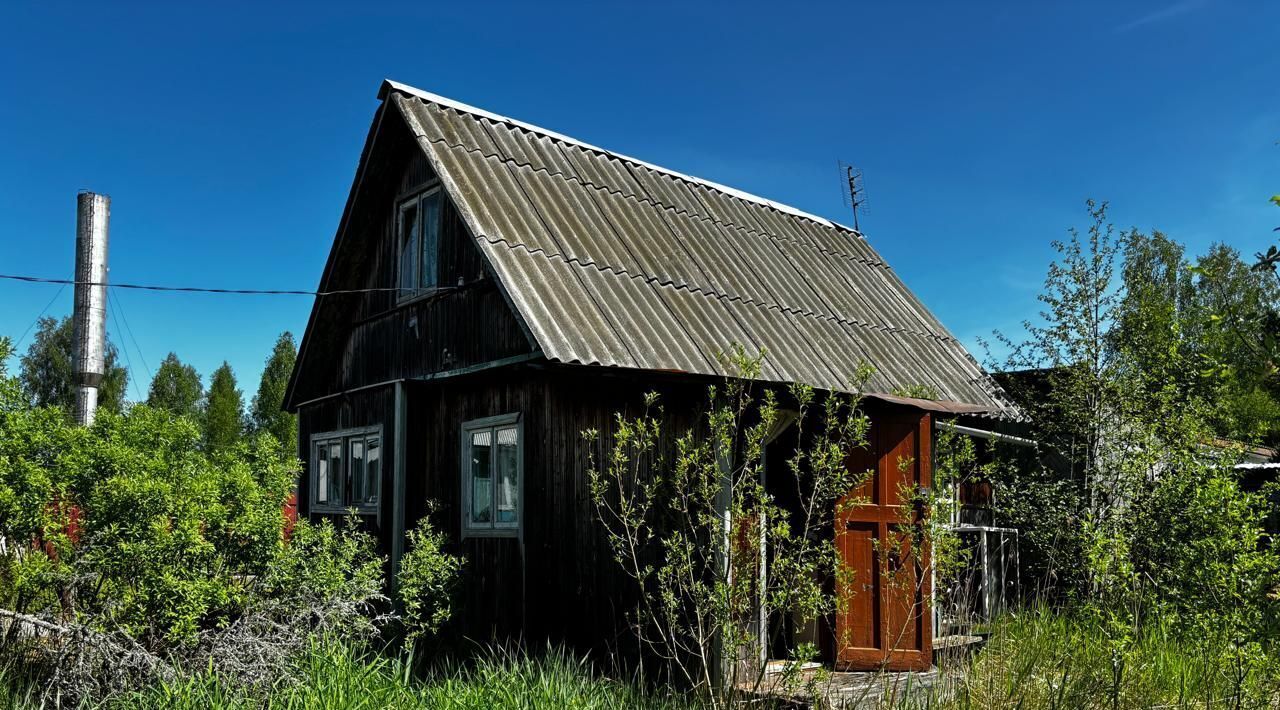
1034,661
335,675
1042,660
17,690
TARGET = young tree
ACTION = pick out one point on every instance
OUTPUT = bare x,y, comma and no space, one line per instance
176,388
267,413
48,375
1069,352
1127,392
224,411
686,515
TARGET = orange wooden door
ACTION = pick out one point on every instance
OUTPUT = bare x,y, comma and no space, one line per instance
883,618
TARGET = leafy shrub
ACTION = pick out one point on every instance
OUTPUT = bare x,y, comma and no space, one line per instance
142,554
326,575
686,512
426,580
130,524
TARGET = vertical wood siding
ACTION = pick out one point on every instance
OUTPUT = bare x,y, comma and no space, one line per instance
366,338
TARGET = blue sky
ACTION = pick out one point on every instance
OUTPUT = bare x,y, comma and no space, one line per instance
227,134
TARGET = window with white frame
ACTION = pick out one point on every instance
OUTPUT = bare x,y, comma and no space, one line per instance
418,227
492,464
346,470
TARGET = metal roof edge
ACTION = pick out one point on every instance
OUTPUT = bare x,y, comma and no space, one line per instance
935,405
389,85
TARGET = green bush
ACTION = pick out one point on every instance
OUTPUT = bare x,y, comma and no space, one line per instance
127,524
426,581
131,524
327,575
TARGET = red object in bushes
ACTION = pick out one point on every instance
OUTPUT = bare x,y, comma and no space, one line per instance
290,510
73,526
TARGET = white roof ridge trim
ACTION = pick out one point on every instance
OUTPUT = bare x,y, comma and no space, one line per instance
467,108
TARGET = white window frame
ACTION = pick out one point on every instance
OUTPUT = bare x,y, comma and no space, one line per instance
493,528
415,199
345,437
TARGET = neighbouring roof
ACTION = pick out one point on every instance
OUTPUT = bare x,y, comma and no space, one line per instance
612,261
1253,455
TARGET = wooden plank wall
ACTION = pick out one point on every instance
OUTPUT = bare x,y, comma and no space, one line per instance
560,581
367,338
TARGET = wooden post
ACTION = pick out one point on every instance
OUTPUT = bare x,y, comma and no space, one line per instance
398,490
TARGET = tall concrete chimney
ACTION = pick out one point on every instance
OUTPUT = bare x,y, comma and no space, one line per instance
89,316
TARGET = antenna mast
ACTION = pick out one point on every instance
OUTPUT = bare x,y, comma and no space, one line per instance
855,192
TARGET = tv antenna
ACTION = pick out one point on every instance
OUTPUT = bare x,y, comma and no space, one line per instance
854,191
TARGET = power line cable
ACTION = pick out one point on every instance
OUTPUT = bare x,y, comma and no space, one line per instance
40,315
119,307
194,289
126,354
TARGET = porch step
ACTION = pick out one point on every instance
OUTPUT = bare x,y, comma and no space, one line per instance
956,646
783,666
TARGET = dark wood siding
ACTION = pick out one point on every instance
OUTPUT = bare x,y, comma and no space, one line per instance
365,338
559,581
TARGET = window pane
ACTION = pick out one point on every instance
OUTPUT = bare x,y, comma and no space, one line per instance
508,475
430,239
408,249
356,473
481,481
322,474
335,473
372,472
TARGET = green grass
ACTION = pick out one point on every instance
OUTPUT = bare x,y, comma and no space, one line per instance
17,692
335,676
1035,661
1049,661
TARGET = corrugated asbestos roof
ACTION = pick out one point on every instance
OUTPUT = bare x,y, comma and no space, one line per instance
613,261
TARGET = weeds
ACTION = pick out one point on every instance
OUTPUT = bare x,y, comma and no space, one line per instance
332,674
1043,660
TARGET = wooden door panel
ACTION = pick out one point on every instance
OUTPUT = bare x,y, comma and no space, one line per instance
902,596
899,467
860,589
884,620
861,461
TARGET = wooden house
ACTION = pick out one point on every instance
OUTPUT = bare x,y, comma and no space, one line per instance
495,288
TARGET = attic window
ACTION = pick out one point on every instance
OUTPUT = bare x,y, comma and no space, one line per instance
418,227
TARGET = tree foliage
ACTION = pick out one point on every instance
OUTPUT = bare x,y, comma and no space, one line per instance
48,369
1132,383
224,422
138,528
176,388
686,514
1201,324
144,555
267,412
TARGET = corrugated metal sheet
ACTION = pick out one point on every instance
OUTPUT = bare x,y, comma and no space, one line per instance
611,261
